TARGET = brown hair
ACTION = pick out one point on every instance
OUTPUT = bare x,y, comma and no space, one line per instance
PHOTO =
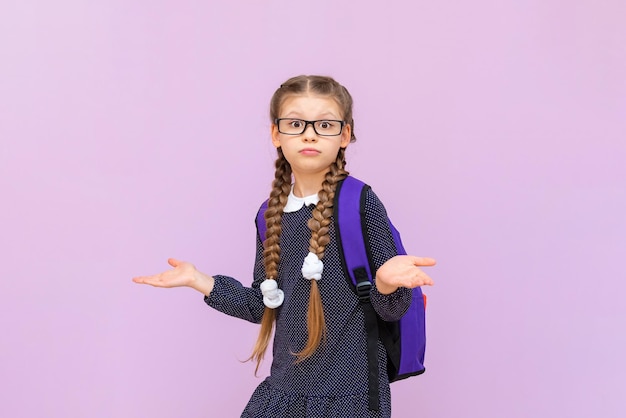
320,219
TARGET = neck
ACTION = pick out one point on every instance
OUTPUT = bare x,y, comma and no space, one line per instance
308,184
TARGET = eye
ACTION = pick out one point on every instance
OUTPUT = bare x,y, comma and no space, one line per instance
325,124
296,123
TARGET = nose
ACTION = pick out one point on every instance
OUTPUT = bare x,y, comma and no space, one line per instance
309,134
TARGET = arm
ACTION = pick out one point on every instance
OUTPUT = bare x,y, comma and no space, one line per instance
232,298
220,292
395,275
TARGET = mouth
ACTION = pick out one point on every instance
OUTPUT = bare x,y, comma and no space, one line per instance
309,151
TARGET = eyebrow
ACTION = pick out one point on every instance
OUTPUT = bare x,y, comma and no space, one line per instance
323,116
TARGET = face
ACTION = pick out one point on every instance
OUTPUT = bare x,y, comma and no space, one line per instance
310,153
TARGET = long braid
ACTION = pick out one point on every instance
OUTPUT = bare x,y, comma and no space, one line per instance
320,237
281,187
319,224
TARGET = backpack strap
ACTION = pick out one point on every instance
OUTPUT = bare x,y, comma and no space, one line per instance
261,227
349,204
350,229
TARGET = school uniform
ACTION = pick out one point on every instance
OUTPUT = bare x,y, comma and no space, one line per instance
334,381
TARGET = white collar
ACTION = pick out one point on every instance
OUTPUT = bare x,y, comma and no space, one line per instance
294,203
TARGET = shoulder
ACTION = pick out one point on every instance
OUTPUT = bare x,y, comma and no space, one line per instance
372,206
259,219
369,202
376,224
261,211
263,206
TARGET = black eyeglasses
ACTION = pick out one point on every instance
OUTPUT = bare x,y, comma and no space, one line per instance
323,127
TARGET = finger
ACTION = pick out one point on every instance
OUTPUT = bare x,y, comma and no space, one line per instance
142,279
420,282
423,261
428,282
155,281
422,279
173,262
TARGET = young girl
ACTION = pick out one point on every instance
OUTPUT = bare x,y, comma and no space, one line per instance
319,366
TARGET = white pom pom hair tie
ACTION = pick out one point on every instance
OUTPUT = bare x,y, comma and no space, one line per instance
312,267
272,296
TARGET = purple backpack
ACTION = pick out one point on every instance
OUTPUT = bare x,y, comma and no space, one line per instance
404,340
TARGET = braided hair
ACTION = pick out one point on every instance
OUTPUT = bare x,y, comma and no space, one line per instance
320,219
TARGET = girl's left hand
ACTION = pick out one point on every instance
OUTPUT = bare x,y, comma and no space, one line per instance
403,271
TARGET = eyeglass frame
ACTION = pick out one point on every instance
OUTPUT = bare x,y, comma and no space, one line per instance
312,123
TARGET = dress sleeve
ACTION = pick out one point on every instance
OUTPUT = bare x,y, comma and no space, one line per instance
393,306
232,298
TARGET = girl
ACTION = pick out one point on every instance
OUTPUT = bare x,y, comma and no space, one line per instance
319,366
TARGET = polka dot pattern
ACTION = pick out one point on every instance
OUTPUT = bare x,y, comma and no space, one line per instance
333,382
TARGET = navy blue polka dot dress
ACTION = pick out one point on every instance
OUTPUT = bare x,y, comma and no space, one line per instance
333,382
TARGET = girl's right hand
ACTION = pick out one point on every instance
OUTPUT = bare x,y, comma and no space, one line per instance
183,274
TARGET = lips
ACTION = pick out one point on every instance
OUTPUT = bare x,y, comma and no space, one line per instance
309,151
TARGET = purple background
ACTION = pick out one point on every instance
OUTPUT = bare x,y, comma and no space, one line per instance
132,131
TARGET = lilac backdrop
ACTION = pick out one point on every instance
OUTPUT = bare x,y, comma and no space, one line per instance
132,131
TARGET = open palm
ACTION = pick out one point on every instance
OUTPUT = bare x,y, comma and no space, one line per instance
403,271
181,275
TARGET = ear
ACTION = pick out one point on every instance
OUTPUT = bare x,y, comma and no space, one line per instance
274,133
346,135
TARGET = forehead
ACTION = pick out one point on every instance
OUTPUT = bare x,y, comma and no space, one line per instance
310,106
